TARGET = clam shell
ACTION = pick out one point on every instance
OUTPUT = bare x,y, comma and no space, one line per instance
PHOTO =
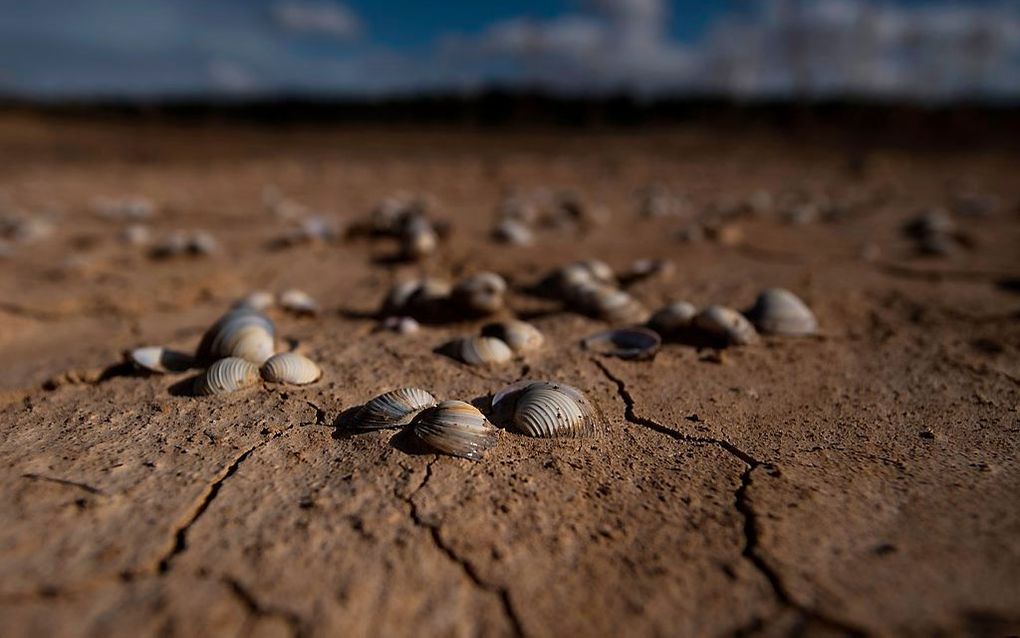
393,409
242,332
415,295
625,343
673,319
779,311
402,325
160,359
227,375
259,301
456,428
725,326
202,243
548,410
298,302
478,350
608,303
290,367
512,231
521,336
481,293
418,239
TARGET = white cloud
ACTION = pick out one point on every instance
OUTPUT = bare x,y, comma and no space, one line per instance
324,18
230,77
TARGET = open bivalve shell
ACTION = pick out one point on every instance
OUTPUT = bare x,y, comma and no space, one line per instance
298,302
674,319
393,409
725,326
481,293
160,359
456,428
290,367
243,333
625,343
545,409
779,311
521,336
227,375
478,351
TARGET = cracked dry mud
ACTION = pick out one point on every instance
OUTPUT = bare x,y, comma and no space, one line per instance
862,482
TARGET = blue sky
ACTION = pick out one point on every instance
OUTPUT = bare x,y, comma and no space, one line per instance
918,49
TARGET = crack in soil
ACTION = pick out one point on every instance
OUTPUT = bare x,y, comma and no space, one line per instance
320,414
465,566
742,504
258,610
60,481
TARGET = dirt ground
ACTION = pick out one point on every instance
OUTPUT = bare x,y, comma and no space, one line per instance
860,482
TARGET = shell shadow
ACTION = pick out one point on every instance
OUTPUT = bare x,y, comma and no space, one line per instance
185,387
405,441
123,369
343,424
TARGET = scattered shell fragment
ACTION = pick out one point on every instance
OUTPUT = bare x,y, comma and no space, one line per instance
477,351
481,293
779,311
160,359
673,319
290,367
625,343
298,302
521,336
456,428
545,409
227,375
242,332
393,409
725,326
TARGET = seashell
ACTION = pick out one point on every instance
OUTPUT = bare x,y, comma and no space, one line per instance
258,301
173,245
456,428
478,350
779,311
202,243
608,303
933,222
298,302
599,270
227,375
625,343
128,208
290,367
659,202
242,332
160,359
511,231
393,409
725,326
136,235
545,409
521,336
673,319
481,293
418,239
402,325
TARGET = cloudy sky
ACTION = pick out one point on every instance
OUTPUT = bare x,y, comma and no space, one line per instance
918,49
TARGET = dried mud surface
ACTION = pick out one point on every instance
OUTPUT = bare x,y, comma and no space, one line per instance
862,482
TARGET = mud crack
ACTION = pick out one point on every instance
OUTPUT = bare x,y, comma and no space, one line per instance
258,610
60,481
465,566
741,502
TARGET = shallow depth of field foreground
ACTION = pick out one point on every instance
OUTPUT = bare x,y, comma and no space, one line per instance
858,480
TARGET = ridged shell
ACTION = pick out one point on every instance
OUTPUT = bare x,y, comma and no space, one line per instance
160,359
227,375
521,336
481,293
242,332
608,303
298,302
393,409
259,301
625,343
456,428
725,326
779,311
673,319
290,367
548,410
478,350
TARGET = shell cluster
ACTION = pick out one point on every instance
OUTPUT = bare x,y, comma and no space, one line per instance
519,214
292,300
590,287
406,219
934,232
498,343
434,299
180,243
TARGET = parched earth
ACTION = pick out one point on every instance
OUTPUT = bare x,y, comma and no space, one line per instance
860,482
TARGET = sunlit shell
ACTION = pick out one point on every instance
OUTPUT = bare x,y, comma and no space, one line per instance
673,319
606,302
202,243
599,270
242,332
393,409
521,336
298,302
512,231
933,222
478,350
136,235
481,293
259,301
544,409
290,367
725,326
173,245
416,294
779,311
418,239
402,325
647,268
626,343
160,359
227,375
456,428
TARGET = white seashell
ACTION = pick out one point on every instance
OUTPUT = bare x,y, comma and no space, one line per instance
402,325
202,243
298,302
456,428
606,302
673,319
259,301
512,231
227,375
136,235
521,336
393,409
645,268
481,293
599,270
725,326
416,295
545,409
478,350
779,311
160,359
242,332
626,343
173,245
418,239
290,367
